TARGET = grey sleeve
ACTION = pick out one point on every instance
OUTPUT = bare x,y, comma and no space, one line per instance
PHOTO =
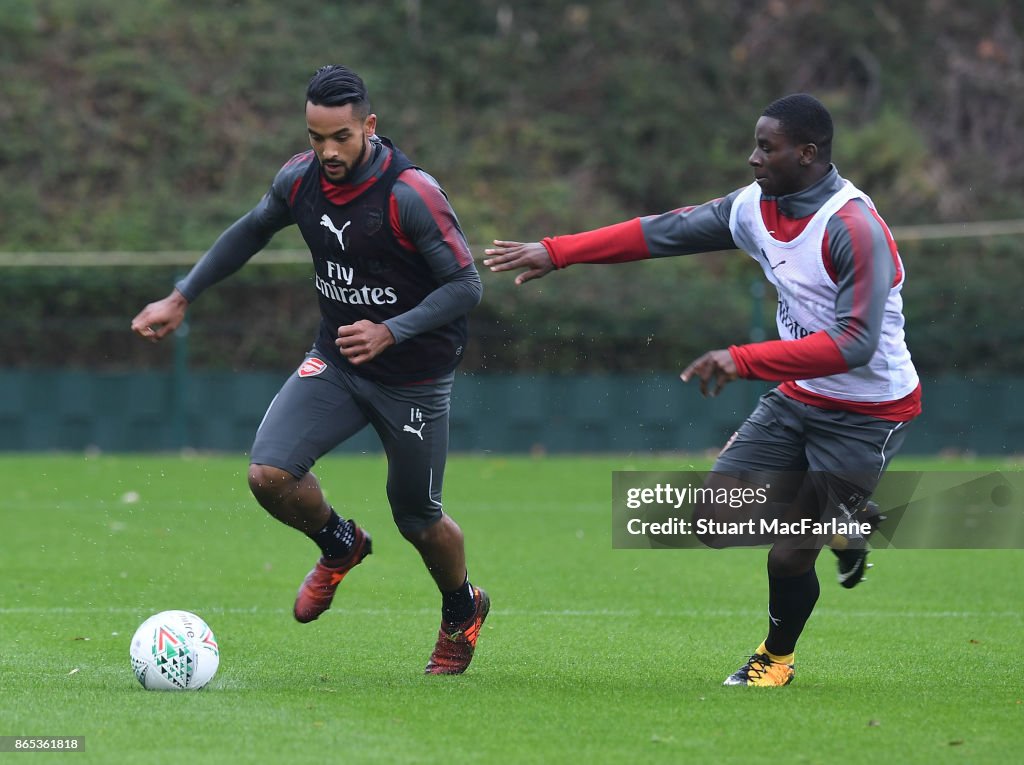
242,239
456,297
688,230
863,264
429,225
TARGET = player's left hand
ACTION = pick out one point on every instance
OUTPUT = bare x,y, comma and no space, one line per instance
364,340
713,365
509,256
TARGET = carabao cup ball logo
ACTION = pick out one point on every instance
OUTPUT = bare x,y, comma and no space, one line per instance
174,651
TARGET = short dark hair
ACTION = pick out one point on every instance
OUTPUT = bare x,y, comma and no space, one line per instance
337,85
805,120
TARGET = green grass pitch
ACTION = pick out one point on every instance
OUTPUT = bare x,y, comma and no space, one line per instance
590,654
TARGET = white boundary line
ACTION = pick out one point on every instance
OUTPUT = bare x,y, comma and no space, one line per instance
529,614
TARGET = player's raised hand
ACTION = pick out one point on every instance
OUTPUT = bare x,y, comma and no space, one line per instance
713,365
159,319
509,256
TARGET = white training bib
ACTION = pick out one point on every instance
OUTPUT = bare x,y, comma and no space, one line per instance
807,298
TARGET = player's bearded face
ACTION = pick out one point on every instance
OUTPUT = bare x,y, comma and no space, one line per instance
340,138
337,169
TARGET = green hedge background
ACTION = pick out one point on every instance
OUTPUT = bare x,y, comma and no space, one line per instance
152,126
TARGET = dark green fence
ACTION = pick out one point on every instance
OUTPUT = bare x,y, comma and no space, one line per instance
64,410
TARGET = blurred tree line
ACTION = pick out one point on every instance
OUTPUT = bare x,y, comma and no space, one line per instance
152,126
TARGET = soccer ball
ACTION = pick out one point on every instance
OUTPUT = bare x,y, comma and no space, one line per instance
174,651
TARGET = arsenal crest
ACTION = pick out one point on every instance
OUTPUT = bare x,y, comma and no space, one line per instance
312,366
373,220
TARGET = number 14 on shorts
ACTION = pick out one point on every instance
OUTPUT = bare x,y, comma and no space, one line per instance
415,415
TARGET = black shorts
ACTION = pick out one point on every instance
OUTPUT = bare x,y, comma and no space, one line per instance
320,406
844,453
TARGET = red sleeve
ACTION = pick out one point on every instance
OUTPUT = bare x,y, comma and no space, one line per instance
618,243
816,355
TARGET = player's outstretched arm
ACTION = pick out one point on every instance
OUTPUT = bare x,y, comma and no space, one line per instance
159,319
510,256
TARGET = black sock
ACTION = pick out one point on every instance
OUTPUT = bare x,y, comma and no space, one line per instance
458,606
336,538
790,602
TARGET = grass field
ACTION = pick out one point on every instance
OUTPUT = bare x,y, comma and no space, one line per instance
590,654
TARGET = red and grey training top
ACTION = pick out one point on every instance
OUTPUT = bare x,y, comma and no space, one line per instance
860,273
386,246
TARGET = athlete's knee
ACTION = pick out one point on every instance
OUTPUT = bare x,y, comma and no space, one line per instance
419,524
711,525
705,523
269,484
414,508
786,561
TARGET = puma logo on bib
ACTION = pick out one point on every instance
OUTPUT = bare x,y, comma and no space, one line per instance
340,234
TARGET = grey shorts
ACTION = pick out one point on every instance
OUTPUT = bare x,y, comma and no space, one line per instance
783,441
320,406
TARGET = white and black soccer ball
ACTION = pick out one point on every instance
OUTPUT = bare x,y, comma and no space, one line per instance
174,651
